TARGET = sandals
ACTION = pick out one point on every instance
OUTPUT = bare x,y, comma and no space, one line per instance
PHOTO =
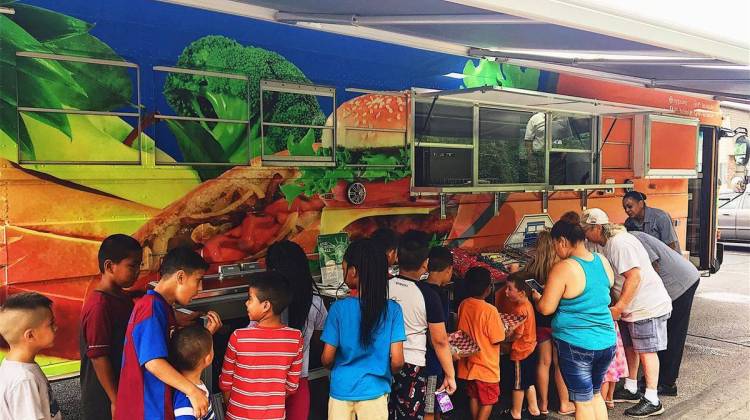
569,413
610,404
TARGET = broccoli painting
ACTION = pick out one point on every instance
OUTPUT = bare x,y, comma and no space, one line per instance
207,96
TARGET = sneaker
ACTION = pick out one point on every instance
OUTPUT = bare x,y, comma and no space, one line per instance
623,395
667,390
644,408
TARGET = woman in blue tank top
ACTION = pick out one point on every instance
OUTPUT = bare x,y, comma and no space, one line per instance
577,292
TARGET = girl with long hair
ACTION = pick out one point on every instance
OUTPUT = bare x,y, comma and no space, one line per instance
540,266
363,337
305,312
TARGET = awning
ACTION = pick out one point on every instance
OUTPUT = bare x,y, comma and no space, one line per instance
555,35
538,101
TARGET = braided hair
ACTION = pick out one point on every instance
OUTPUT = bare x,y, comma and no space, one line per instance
367,258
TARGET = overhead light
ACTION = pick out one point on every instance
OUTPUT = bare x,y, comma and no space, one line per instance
7,11
594,55
455,75
716,66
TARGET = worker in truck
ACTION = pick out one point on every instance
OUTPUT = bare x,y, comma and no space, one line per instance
651,220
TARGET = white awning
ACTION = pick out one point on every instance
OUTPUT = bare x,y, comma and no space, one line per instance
538,101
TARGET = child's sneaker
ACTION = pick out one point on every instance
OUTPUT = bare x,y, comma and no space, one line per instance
623,395
644,408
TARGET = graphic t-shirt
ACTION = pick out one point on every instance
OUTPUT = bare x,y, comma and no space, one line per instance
482,322
421,306
104,320
361,372
144,395
25,393
183,410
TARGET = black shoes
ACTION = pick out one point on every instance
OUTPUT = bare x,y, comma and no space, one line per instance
623,395
667,390
644,409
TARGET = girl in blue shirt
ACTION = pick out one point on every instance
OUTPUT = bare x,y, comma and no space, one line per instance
363,337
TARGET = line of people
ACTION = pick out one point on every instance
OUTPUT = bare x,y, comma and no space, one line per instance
386,344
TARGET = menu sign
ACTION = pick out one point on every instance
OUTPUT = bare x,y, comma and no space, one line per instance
331,249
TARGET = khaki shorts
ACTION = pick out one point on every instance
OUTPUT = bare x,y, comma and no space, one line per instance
376,409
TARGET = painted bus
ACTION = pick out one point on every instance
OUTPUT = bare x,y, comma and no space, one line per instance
225,133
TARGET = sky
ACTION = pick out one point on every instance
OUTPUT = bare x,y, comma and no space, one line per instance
725,20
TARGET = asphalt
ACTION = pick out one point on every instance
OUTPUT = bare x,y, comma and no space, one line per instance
715,376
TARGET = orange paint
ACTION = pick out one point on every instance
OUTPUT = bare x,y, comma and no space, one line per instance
706,110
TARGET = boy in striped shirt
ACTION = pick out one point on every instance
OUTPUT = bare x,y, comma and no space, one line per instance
191,349
263,362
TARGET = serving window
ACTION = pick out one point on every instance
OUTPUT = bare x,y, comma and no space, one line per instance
570,153
511,147
485,148
77,110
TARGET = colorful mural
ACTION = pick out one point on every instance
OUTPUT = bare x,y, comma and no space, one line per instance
121,142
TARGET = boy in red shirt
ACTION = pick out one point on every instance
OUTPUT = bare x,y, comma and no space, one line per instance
518,368
262,363
104,319
482,322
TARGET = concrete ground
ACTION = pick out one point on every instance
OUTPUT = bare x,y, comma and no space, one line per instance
715,376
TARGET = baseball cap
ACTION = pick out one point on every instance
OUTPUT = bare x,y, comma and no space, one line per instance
594,217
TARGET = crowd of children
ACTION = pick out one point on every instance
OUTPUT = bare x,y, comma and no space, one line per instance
386,344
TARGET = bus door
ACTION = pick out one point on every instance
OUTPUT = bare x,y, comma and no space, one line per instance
704,250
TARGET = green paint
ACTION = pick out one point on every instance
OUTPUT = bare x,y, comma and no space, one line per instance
492,73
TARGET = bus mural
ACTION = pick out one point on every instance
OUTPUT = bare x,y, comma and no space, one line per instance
187,127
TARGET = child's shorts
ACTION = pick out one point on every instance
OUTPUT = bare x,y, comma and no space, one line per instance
647,335
408,393
518,375
486,392
430,402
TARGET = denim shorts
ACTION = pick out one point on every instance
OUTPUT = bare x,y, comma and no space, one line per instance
647,335
583,370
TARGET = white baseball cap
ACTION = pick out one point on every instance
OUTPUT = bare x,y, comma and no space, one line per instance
595,217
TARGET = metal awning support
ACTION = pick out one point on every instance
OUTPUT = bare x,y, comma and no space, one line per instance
538,101
347,19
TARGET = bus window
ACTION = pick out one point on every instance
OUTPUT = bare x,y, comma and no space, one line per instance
570,155
511,147
293,123
92,117
202,117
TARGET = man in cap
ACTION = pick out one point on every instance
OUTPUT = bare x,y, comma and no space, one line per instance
642,305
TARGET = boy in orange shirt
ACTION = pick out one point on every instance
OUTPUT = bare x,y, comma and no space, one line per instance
519,367
482,322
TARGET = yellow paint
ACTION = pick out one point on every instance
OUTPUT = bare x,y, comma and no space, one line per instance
335,220
54,367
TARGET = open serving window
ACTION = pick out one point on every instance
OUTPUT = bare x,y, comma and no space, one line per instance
666,147
495,139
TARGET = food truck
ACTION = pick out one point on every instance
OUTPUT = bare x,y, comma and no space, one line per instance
187,127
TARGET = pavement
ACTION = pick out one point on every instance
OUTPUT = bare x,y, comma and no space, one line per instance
715,375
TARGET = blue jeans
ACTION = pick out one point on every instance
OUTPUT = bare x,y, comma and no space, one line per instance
583,370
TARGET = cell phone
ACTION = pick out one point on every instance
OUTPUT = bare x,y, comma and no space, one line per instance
535,285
